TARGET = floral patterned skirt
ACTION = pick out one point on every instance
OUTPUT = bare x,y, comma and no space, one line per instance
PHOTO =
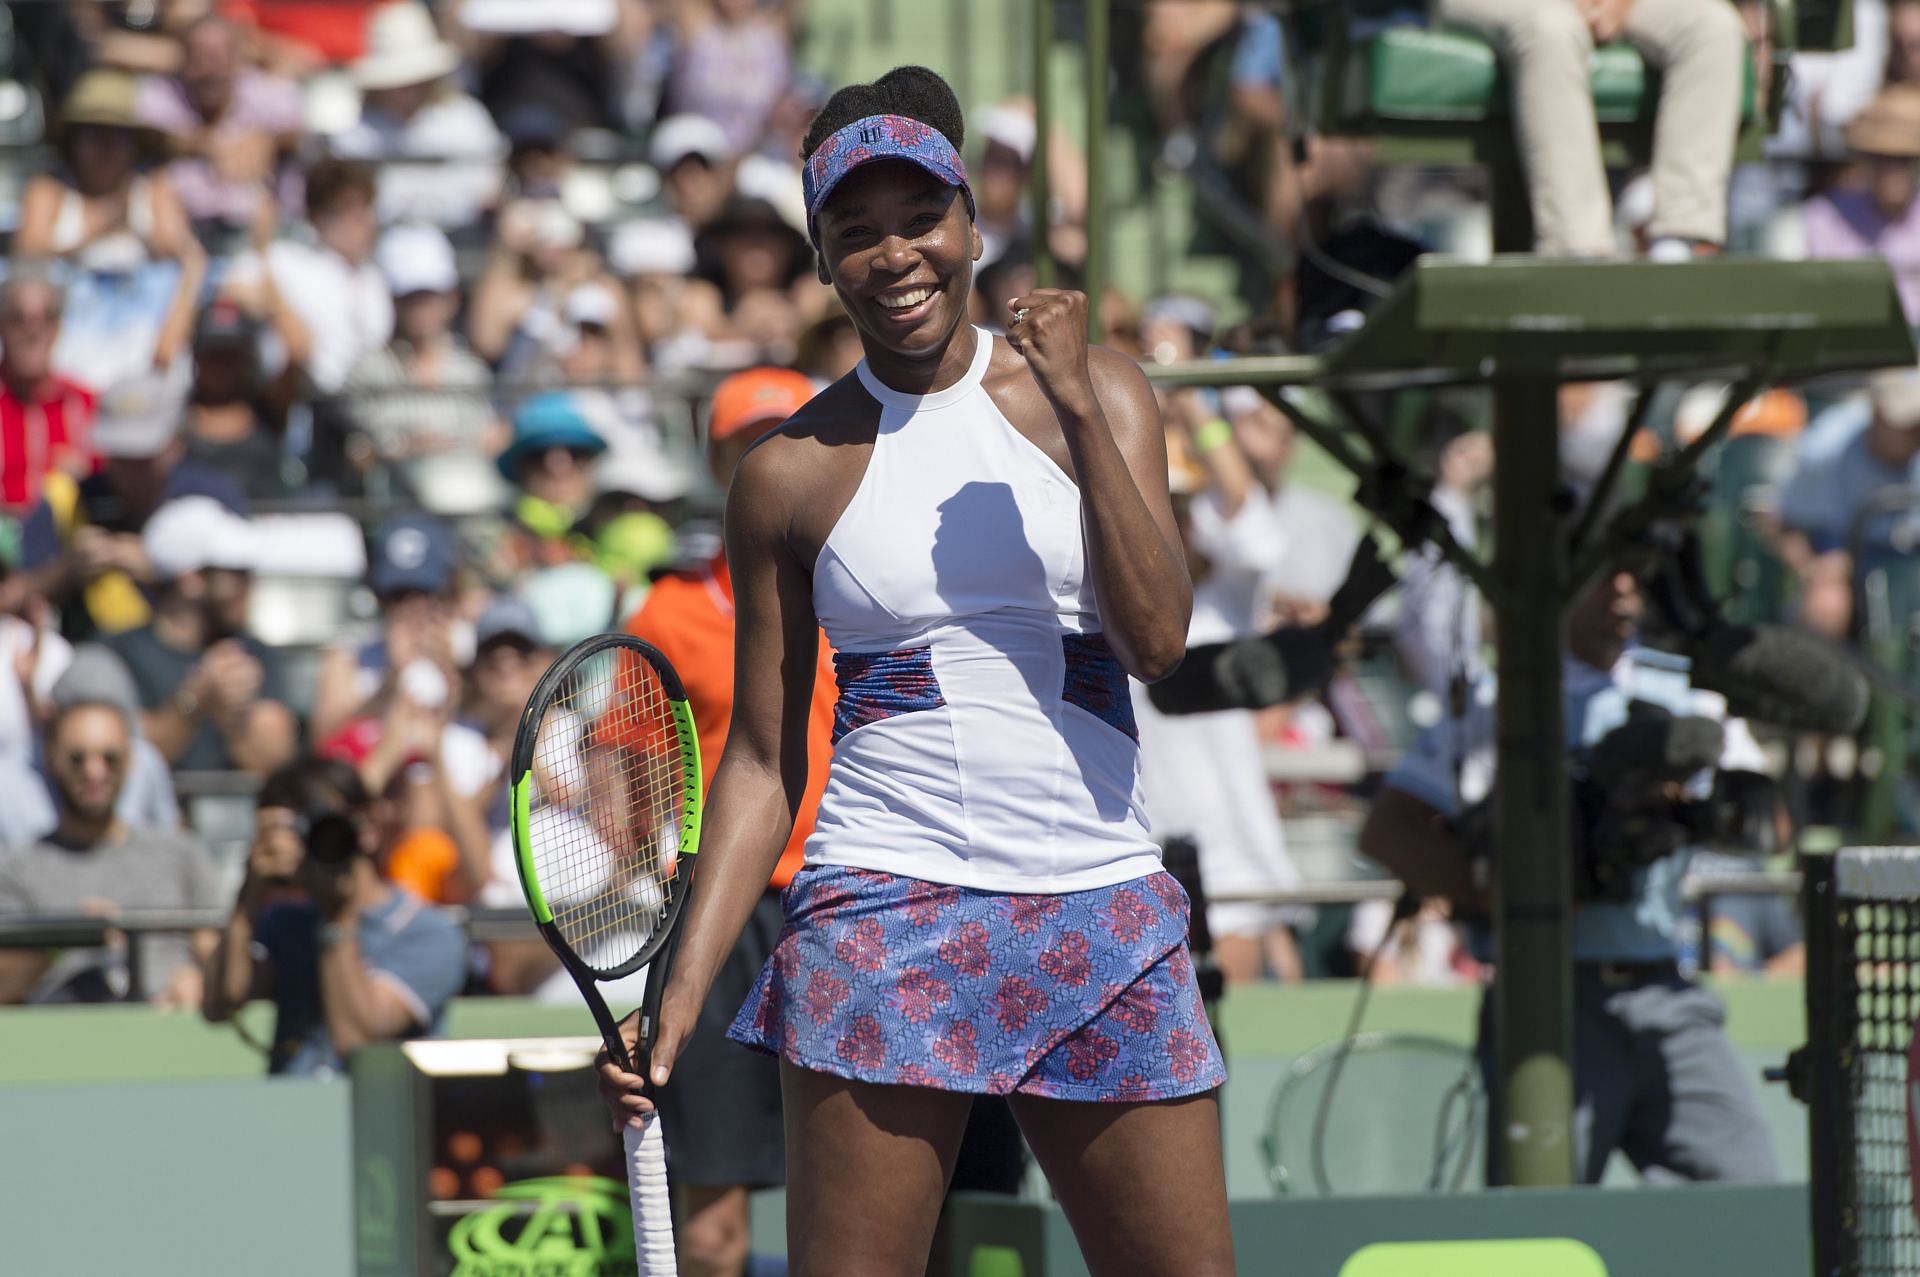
1088,995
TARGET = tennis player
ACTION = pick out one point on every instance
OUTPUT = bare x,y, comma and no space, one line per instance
983,530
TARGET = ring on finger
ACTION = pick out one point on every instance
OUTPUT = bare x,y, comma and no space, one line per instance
1020,316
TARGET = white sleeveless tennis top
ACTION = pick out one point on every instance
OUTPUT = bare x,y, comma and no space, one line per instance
985,733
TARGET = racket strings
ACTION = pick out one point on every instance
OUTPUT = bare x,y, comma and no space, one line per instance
605,813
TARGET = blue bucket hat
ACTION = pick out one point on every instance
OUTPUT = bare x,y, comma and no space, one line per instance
551,420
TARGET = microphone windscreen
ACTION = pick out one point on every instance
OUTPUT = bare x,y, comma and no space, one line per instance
1781,677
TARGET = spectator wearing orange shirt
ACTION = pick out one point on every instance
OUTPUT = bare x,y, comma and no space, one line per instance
722,1107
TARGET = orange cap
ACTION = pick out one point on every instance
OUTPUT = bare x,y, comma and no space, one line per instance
754,397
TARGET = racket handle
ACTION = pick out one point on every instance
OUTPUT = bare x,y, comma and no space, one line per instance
652,1204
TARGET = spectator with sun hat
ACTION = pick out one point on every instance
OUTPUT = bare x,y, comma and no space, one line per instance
423,400
412,110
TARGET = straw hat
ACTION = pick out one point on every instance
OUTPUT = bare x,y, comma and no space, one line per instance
1890,125
403,47
102,97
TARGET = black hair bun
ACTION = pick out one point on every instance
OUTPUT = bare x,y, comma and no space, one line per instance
915,92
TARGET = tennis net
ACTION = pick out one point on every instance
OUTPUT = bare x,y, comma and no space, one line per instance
1863,1001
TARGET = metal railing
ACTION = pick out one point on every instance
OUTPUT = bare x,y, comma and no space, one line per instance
493,926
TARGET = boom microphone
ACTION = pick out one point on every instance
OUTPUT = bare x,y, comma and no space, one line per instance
1779,676
1278,666
1250,673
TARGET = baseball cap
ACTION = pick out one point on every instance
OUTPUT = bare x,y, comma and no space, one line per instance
190,534
757,395
413,552
1011,127
417,259
1896,397
508,617
651,246
645,471
97,676
137,418
678,136
535,126
591,303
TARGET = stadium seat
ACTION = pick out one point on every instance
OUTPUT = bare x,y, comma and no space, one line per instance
1410,73
1437,96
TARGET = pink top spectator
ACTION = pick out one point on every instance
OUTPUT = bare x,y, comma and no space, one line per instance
733,74
1847,224
261,103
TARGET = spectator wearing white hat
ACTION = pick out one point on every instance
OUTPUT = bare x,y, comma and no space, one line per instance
209,691
675,315
1000,178
690,153
82,547
411,109
422,400
595,353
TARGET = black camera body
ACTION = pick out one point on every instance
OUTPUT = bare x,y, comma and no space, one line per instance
1614,839
1631,809
331,838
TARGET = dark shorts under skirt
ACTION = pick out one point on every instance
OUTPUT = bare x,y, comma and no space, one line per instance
1088,995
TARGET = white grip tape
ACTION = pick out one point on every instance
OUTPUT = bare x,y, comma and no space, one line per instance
652,1204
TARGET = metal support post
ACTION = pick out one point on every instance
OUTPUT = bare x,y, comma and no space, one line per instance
1532,1098
1037,185
1098,68
1532,896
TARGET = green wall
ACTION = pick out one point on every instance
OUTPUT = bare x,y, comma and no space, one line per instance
125,1127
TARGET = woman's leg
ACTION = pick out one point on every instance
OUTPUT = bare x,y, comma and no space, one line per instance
867,1167
1142,1184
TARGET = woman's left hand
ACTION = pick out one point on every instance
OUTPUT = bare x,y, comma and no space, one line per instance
1048,327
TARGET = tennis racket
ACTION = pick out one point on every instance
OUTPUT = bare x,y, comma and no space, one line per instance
606,814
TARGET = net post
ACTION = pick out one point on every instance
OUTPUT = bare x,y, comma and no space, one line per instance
1829,1162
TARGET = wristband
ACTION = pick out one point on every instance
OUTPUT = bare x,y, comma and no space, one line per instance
1212,436
330,933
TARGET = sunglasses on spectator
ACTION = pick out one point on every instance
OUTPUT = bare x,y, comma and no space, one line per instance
113,758
29,316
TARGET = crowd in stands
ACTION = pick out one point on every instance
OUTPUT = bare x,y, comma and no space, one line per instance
355,358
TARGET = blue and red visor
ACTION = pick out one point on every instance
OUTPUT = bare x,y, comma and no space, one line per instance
880,137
